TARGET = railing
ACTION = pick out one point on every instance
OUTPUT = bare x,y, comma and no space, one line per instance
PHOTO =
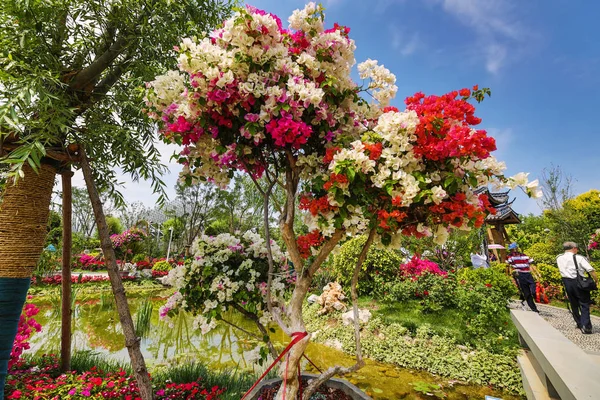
551,365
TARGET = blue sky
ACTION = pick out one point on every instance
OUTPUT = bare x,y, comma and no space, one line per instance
540,58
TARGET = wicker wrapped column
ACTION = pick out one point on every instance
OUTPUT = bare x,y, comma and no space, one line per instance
24,209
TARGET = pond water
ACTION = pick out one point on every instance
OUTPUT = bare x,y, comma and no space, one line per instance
96,326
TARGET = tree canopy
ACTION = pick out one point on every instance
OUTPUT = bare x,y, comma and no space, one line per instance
72,72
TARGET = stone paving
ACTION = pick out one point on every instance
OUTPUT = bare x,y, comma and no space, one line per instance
561,319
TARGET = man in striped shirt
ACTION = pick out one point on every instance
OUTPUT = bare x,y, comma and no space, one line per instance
522,265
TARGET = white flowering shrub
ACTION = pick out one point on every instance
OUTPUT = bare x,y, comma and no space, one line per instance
227,272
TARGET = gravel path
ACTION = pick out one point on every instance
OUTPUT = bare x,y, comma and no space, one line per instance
561,319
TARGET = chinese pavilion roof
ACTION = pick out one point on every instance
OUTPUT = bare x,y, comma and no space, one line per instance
504,213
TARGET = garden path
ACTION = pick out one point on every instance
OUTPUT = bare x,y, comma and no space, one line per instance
561,319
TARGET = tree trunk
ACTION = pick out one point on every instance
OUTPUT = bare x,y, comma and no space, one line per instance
132,342
23,219
65,338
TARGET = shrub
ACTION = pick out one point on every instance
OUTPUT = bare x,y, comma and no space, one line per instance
397,291
323,276
81,243
495,276
437,292
50,383
425,351
162,266
543,253
382,263
48,264
549,274
137,258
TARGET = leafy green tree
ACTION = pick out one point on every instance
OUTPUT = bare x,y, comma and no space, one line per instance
532,229
114,225
178,226
71,73
576,220
241,205
54,235
195,207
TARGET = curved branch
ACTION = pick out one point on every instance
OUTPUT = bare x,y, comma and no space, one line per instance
325,251
93,71
276,315
260,326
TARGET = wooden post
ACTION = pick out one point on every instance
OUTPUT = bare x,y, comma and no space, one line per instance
132,342
65,338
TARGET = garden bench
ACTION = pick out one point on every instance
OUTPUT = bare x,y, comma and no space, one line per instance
551,365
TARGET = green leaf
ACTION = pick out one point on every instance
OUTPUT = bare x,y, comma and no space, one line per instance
351,174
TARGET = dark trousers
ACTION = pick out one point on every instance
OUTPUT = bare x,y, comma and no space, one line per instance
580,303
527,285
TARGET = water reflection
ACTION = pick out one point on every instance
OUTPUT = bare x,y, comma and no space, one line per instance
96,327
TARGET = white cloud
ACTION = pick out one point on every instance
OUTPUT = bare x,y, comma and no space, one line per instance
500,37
381,6
405,44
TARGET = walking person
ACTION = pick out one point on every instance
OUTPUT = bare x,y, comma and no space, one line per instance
521,264
573,267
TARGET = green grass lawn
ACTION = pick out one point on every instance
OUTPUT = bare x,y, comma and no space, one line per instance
446,323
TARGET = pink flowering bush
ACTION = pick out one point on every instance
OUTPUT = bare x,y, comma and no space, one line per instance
27,327
85,259
128,242
418,266
45,382
128,237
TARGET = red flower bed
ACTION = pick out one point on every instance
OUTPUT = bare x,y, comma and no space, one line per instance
93,266
158,274
57,279
44,381
140,265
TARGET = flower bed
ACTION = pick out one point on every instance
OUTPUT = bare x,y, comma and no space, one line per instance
44,381
159,274
57,279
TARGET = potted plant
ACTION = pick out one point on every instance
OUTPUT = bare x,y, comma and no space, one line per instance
279,105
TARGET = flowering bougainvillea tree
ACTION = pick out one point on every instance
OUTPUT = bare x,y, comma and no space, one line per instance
124,243
279,104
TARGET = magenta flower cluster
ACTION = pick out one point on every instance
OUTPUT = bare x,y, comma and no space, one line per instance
27,327
127,237
418,266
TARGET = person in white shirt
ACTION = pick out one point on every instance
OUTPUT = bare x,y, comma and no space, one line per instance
579,299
